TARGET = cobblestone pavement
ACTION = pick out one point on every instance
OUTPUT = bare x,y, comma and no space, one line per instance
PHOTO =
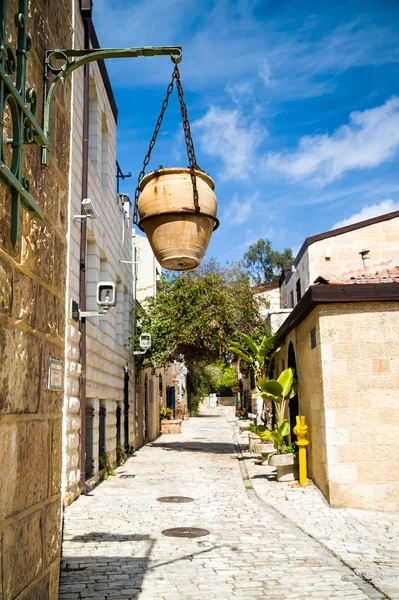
114,547
366,541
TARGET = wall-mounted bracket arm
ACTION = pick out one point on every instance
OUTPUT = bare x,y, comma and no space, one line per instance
73,59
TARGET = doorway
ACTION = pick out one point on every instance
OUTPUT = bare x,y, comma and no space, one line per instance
293,403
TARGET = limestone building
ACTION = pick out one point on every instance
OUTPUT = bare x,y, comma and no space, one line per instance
342,339
98,359
32,326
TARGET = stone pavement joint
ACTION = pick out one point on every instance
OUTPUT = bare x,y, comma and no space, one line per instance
114,548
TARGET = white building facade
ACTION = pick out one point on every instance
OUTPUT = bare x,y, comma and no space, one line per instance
107,256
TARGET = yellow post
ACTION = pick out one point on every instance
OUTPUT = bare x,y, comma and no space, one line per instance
300,431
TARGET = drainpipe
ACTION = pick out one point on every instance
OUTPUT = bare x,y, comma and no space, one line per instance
82,272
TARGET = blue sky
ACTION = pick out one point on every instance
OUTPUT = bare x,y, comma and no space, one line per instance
294,106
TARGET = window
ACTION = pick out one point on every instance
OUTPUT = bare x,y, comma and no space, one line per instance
291,299
298,290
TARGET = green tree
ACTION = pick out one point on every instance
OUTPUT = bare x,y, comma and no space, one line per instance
263,263
198,312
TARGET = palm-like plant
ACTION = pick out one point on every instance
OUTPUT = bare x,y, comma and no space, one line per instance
257,356
279,391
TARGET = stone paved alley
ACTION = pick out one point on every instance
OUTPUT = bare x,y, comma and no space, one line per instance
266,540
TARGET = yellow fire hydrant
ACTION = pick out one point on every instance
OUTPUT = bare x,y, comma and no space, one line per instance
300,431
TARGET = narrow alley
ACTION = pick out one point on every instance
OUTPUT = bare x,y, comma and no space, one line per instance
115,547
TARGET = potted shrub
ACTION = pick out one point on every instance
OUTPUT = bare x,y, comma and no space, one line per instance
168,423
280,392
178,233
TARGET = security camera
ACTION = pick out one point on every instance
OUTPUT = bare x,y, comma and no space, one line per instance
145,341
106,294
90,211
89,207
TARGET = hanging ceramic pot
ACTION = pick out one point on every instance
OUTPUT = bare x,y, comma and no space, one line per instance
178,234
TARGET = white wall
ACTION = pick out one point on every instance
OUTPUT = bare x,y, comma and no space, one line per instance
106,336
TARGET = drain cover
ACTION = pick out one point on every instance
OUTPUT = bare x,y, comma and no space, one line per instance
185,532
175,499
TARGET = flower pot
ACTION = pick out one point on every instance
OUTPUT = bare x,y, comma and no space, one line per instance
253,441
177,234
171,426
244,425
264,450
287,466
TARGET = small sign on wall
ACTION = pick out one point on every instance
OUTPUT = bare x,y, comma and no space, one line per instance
54,375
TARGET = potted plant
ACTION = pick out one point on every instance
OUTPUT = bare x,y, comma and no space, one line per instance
280,392
177,231
167,422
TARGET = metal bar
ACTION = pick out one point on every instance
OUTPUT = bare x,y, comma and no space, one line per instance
14,184
41,139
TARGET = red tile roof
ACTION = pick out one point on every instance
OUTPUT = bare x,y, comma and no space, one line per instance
384,272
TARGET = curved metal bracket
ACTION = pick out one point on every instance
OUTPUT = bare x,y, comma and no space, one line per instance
81,58
21,103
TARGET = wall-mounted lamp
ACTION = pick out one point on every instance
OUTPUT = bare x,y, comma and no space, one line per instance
90,211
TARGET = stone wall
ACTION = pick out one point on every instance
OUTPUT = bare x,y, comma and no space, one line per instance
360,361
343,255
310,394
32,323
109,242
348,389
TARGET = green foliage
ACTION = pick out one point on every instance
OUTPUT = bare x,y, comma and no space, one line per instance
265,264
197,313
105,465
258,429
279,391
259,356
121,456
165,413
277,435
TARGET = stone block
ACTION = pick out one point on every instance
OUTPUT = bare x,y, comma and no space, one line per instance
56,455
39,591
24,298
24,472
60,249
37,245
54,581
381,365
19,370
5,226
6,287
22,544
351,495
46,312
51,526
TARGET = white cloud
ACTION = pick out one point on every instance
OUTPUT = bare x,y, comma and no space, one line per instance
223,135
265,72
368,212
370,138
240,210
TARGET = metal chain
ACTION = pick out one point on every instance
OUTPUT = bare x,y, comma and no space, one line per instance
187,135
189,140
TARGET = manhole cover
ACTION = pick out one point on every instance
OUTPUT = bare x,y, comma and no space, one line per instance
175,499
185,532
127,476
